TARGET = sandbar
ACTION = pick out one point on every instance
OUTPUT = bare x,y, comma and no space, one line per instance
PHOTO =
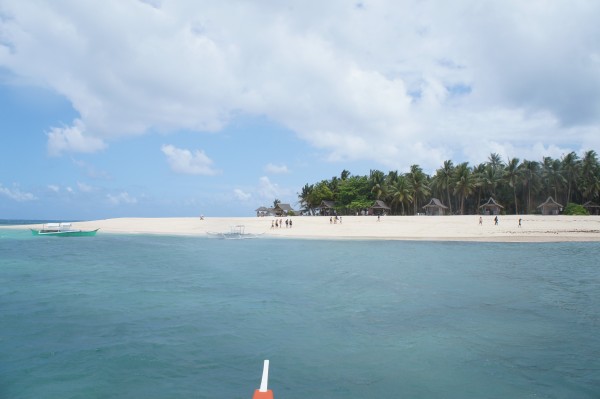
534,228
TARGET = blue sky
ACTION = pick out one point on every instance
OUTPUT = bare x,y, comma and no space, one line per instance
162,108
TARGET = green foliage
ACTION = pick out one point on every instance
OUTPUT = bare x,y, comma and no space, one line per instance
518,185
575,209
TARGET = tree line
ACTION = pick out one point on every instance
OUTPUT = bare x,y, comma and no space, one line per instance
519,186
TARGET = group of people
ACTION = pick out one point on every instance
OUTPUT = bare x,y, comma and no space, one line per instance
278,223
335,219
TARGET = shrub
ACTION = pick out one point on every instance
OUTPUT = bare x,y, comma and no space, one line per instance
575,209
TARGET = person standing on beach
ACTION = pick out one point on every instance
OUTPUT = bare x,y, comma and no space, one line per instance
496,220
480,221
519,222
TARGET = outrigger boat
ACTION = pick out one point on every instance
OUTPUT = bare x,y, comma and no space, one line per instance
263,392
62,230
236,232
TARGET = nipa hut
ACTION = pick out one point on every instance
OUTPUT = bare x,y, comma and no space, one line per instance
327,208
379,208
491,207
283,209
592,208
435,208
550,207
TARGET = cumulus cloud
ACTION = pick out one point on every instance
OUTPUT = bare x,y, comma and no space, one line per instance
121,198
72,139
276,169
396,81
241,195
16,194
186,162
54,188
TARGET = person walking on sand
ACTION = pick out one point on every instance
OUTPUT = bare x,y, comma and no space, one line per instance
496,220
519,222
378,218
480,221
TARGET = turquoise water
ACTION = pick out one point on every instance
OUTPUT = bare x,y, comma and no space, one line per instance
123,316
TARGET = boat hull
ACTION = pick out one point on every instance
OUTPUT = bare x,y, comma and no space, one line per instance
66,233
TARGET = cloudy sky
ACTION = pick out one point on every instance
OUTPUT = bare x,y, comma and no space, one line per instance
176,108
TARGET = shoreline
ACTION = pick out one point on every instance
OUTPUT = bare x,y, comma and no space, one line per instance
535,228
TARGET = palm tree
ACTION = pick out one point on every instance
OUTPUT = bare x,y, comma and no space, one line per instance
345,174
590,174
511,176
400,193
443,180
464,184
418,182
530,179
570,164
377,181
552,175
306,197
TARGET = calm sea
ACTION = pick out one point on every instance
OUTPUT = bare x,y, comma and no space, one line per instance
136,316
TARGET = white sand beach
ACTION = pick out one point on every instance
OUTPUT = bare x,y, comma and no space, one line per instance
534,228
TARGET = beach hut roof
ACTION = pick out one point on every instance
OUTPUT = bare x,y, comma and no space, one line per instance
591,204
435,203
284,207
262,209
550,202
491,203
380,205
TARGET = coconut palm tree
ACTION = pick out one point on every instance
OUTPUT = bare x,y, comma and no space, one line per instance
511,176
401,193
418,182
552,175
464,184
530,179
377,182
590,174
443,180
571,165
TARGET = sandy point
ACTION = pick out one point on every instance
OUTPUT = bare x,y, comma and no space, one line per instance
534,228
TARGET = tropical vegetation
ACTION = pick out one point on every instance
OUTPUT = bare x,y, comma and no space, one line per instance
519,185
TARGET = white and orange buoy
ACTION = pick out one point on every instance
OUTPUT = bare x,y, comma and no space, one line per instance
263,392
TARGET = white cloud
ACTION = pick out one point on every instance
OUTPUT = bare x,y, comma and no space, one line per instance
85,188
72,139
121,198
241,195
16,194
276,169
53,188
184,161
395,81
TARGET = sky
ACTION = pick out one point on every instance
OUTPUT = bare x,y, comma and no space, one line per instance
159,108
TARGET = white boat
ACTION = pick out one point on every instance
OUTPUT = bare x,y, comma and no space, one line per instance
237,232
62,230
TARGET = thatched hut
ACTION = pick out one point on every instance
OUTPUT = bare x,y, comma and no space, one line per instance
327,208
283,209
550,207
379,208
491,207
435,208
592,208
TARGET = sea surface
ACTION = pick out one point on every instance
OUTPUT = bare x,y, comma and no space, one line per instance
142,316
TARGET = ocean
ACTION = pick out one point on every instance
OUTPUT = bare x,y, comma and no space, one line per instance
143,316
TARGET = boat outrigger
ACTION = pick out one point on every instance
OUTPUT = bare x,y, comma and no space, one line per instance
62,230
237,232
263,392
